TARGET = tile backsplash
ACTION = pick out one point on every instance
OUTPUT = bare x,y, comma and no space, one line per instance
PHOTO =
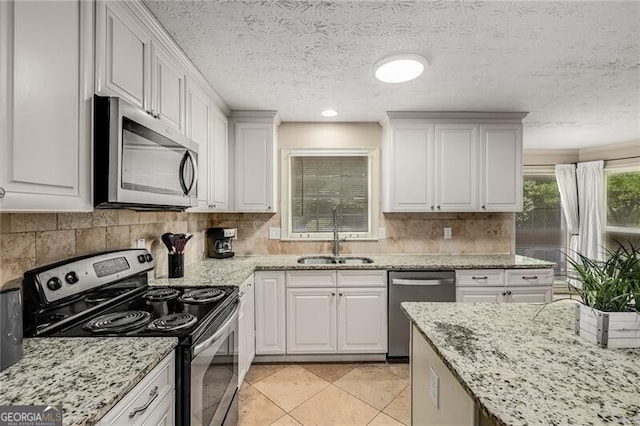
32,240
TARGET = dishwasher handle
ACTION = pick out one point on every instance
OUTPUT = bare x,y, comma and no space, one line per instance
422,282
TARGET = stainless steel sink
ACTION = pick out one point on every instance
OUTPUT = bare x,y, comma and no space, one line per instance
354,260
329,260
317,260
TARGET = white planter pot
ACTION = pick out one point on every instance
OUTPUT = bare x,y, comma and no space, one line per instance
608,329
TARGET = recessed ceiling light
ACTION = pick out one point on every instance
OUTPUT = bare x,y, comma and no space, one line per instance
329,113
400,68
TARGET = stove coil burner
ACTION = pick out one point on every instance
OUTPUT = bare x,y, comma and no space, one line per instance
118,322
202,295
161,294
173,322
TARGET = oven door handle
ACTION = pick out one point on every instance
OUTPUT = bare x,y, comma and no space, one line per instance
202,346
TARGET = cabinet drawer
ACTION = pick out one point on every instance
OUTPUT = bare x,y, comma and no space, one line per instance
530,277
362,278
154,386
482,277
320,278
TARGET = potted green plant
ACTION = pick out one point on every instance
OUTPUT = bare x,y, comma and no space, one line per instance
610,311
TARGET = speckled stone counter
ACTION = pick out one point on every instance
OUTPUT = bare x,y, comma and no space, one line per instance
88,376
234,270
526,371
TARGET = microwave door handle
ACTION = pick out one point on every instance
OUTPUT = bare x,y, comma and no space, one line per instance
188,156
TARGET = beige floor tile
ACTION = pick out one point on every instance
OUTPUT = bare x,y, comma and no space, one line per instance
258,372
400,370
291,386
399,407
333,406
286,420
255,409
383,420
373,385
329,372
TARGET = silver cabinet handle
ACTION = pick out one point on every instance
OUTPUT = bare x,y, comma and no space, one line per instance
534,277
504,293
509,292
435,281
480,278
153,394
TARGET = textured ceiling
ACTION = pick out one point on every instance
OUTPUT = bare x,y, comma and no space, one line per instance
574,66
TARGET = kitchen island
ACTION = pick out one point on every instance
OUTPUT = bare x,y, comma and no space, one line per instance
87,376
508,366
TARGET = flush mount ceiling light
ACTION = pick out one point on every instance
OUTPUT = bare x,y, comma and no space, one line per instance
400,68
329,113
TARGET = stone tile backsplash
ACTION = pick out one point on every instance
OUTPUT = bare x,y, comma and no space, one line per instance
29,240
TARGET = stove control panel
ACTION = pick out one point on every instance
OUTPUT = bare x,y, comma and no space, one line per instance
81,275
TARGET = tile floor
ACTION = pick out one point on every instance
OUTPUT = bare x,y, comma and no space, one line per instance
325,394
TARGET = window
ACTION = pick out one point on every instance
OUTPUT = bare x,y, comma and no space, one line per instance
622,198
540,227
318,180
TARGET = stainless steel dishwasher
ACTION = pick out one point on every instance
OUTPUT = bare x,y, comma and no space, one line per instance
414,286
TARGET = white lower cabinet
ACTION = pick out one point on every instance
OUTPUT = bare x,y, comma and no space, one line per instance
343,312
270,313
246,332
150,402
504,286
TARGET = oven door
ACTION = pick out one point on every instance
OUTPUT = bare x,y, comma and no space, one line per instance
214,374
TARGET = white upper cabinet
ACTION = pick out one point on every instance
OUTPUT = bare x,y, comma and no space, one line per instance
123,54
168,89
501,167
452,162
410,185
46,76
198,126
255,161
456,167
219,160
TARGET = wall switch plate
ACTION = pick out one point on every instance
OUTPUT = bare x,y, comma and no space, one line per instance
274,233
447,232
382,233
434,390
140,243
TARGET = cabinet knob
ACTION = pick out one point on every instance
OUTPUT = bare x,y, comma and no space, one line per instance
504,293
509,292
484,207
333,294
2,192
438,207
432,207
339,294
268,207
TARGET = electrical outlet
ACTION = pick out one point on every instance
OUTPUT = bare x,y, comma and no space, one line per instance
274,233
140,243
447,232
434,390
382,233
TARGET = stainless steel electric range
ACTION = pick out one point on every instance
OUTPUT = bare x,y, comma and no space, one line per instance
107,294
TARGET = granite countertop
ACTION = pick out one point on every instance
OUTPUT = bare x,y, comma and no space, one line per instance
87,376
523,370
234,270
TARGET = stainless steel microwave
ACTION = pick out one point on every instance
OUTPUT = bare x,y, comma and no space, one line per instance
139,163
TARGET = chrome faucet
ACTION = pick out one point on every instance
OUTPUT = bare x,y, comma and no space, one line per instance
336,238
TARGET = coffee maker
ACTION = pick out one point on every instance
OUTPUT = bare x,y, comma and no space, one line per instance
219,242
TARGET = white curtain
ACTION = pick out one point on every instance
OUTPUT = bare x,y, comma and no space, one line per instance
590,178
568,188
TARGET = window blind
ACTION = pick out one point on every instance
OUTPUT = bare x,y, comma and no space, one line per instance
320,182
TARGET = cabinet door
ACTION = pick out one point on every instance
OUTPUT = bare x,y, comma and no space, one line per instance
219,158
123,54
311,320
199,130
46,52
242,338
251,320
530,294
480,294
270,313
254,167
501,167
362,320
168,90
456,167
411,171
